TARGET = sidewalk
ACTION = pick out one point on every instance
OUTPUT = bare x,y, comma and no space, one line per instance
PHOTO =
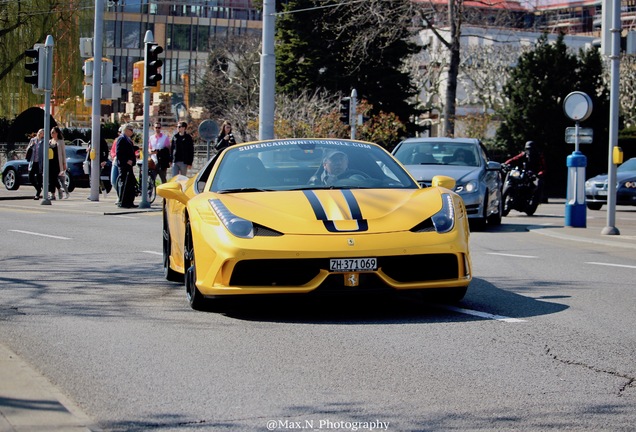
79,198
549,220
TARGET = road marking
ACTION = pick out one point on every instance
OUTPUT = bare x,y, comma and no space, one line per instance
511,255
41,235
612,265
153,252
480,314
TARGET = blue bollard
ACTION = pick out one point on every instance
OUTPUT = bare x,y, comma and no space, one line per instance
575,209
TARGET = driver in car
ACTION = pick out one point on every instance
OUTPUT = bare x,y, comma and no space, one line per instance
335,167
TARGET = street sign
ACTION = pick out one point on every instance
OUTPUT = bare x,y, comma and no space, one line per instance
577,106
208,130
586,135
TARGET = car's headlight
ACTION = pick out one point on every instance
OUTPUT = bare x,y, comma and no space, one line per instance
236,225
588,184
630,184
471,186
444,220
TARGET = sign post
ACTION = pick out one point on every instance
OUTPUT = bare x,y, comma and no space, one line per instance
208,130
578,107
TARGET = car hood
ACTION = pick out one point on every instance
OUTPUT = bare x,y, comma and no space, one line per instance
461,174
601,178
321,211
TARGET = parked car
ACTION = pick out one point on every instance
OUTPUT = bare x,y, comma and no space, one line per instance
479,180
596,187
15,173
277,217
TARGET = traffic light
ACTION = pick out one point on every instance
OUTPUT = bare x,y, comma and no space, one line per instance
88,82
36,68
151,58
345,110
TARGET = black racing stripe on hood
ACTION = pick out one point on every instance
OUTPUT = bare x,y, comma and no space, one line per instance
354,209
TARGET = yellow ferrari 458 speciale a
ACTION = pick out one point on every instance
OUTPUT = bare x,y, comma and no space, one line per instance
312,215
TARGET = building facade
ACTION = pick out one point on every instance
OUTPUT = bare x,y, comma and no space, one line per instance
185,29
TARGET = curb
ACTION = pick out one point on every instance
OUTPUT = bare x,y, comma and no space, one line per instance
29,402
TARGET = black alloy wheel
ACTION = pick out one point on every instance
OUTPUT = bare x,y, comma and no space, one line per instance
168,273
195,298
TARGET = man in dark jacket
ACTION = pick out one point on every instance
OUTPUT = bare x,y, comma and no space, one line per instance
182,148
126,160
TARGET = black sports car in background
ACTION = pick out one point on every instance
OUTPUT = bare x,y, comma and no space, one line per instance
15,173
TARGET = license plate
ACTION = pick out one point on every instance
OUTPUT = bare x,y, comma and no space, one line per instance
353,264
601,193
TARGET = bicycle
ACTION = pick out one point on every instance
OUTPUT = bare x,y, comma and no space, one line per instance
152,190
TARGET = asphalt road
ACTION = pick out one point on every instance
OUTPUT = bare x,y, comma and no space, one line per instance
544,340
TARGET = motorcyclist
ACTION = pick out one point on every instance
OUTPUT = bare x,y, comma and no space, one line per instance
532,158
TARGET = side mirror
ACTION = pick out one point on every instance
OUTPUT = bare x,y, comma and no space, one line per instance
443,181
493,166
172,190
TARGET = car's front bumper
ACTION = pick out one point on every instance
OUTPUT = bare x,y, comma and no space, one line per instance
300,264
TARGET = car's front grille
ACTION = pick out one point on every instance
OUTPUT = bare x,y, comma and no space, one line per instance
297,272
415,268
272,272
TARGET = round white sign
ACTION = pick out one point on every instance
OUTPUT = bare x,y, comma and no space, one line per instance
208,130
577,106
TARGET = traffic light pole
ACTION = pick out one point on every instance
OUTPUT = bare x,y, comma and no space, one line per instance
610,228
148,39
97,99
48,81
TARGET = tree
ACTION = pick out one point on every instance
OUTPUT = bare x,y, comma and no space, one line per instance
338,54
627,86
24,23
535,92
229,88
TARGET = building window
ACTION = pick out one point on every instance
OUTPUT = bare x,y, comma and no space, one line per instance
180,37
203,37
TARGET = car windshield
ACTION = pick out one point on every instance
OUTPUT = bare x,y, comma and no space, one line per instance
629,165
296,164
438,153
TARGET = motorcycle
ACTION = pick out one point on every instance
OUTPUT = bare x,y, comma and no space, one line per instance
519,190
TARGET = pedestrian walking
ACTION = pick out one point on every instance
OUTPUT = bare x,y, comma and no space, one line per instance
182,150
35,156
114,169
159,149
126,160
225,137
58,170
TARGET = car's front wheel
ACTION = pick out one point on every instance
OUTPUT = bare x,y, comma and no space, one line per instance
195,298
505,200
10,179
495,219
594,205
